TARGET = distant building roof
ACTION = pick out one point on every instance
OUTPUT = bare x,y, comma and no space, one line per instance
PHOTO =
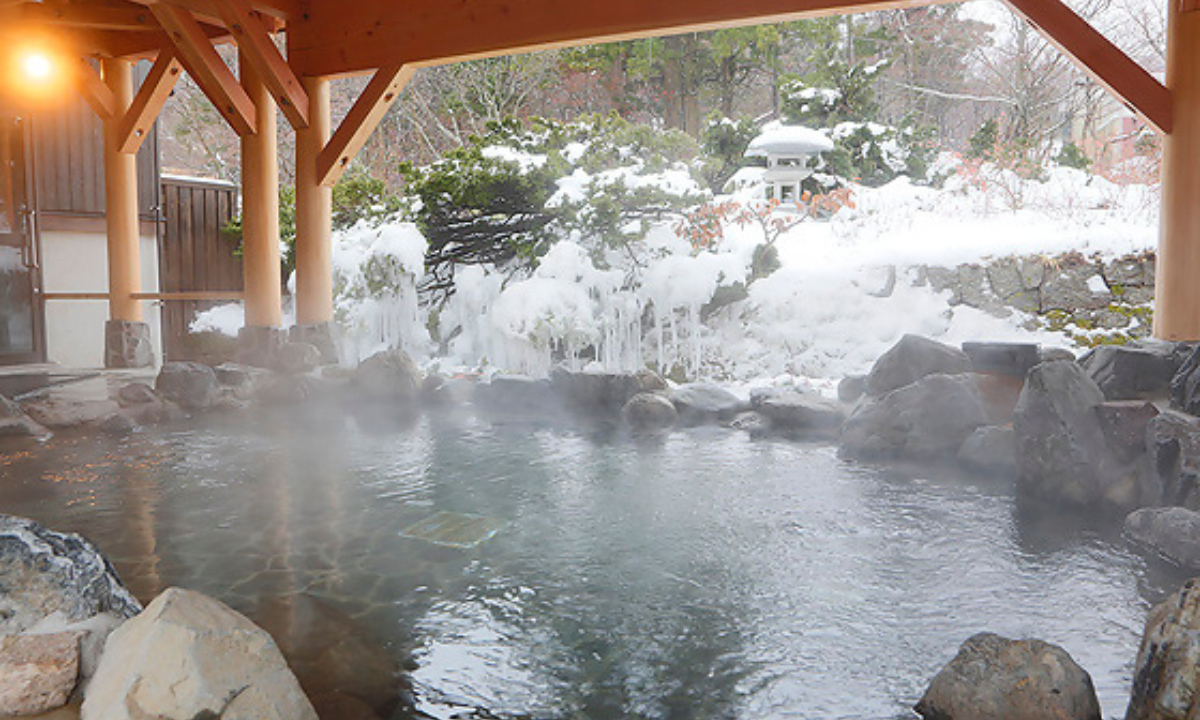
779,139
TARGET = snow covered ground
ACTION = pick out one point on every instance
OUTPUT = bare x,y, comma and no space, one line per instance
826,312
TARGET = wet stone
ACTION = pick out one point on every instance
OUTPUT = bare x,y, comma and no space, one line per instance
37,672
136,394
458,530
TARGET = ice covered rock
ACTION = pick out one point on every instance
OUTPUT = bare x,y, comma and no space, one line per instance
1132,372
701,402
37,672
1062,453
1172,532
1166,676
990,449
649,412
44,572
994,678
192,385
188,656
911,359
927,420
388,376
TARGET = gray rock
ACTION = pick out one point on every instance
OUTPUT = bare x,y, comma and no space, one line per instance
1166,676
1173,445
297,357
649,412
1185,386
597,394
118,424
1172,532
388,376
187,656
1124,424
754,423
852,388
991,449
191,385
65,412
994,678
14,422
1009,359
1127,272
236,376
37,672
1062,454
700,403
519,397
925,421
911,359
798,411
136,394
435,391
1053,354
44,572
1132,372
1068,290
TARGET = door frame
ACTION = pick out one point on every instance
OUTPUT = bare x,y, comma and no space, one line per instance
31,250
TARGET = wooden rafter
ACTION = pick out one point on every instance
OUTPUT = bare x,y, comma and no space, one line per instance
360,122
91,15
207,68
337,38
98,95
1101,59
256,45
148,102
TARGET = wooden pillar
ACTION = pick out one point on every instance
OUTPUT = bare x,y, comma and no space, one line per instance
120,201
260,209
1177,289
314,213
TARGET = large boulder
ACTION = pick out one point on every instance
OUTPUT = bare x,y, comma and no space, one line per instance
1172,532
14,421
792,410
649,412
191,385
388,376
1166,677
991,449
43,572
1173,444
1009,359
925,421
517,397
700,402
994,678
37,672
64,412
601,394
1132,372
1185,386
1124,424
911,359
188,656
1062,453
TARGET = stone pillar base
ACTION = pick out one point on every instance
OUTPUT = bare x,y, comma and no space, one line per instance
127,344
258,346
320,336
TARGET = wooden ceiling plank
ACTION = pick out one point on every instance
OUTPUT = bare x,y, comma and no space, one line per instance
260,50
148,103
205,66
94,90
361,121
92,15
1101,59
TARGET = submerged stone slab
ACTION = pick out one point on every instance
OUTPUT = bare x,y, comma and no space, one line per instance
459,530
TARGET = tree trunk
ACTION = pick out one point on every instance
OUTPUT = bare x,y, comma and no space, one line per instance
673,57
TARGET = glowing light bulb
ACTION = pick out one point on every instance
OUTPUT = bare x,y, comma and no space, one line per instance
37,66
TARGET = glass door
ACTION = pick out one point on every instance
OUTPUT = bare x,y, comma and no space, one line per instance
20,311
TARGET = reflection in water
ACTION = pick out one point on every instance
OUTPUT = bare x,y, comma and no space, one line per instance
706,575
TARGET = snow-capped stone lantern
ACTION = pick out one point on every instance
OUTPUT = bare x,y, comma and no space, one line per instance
787,149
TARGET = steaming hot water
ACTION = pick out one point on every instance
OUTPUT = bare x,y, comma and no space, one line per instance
565,572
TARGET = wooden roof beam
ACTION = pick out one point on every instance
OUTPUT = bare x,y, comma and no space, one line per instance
334,38
207,68
91,15
149,101
260,51
1101,59
94,90
361,121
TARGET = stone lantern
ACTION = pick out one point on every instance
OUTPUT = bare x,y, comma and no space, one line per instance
787,148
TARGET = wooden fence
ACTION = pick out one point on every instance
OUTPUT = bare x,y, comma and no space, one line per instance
194,256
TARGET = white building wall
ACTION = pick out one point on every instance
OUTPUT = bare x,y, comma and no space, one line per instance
78,262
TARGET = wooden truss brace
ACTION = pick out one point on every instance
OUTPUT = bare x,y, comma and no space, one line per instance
148,102
207,68
98,95
255,43
1102,60
361,121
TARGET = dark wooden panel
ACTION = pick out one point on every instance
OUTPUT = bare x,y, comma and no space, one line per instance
194,255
